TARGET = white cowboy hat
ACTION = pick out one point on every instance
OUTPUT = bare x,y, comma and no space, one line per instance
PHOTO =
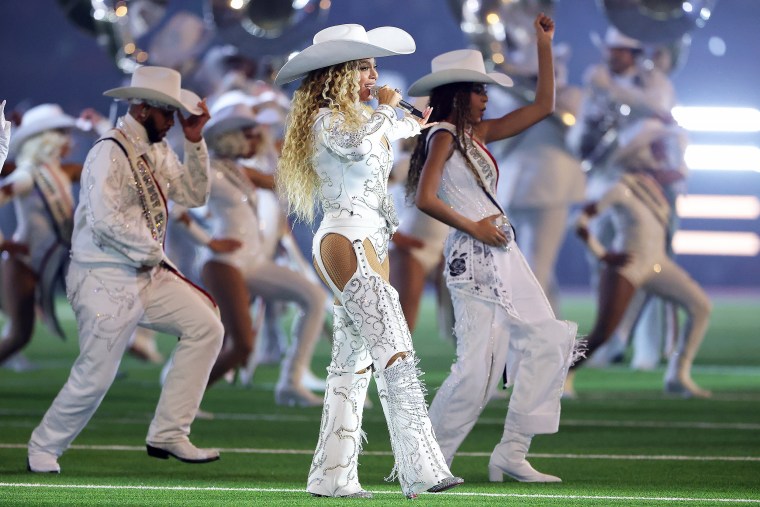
39,119
156,84
229,118
459,66
614,38
343,43
643,133
267,111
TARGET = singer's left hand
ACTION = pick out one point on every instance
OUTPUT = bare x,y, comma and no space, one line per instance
425,117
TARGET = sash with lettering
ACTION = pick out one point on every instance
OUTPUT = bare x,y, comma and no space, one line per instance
152,200
154,205
55,193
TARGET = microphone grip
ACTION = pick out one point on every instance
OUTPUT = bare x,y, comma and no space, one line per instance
406,106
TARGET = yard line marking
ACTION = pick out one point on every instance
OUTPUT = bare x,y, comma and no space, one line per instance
591,423
645,424
448,493
309,452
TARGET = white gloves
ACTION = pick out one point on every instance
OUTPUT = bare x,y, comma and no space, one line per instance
5,134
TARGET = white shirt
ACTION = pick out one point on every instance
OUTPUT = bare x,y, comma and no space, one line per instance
109,225
353,165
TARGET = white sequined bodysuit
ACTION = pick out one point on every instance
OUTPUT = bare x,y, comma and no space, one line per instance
353,166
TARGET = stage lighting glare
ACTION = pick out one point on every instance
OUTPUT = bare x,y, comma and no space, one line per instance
717,119
715,157
729,207
739,244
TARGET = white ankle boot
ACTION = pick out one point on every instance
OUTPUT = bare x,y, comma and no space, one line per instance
183,451
334,466
42,463
509,458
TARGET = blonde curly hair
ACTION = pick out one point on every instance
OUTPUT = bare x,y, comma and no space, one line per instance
46,147
336,88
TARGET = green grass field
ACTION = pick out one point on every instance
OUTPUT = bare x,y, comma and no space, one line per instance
621,443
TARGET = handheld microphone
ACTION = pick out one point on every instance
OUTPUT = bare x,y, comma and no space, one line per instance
406,106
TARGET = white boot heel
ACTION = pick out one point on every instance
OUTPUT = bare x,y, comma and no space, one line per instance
495,474
509,458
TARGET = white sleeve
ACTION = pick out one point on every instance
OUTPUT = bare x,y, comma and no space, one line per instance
112,206
187,183
354,143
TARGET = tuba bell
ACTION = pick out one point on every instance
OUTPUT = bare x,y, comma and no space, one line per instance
657,21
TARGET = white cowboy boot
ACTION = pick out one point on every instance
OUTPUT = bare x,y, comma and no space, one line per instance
42,462
334,466
372,305
508,457
183,451
420,465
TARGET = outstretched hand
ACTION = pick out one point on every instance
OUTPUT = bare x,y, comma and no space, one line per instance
544,26
192,126
425,117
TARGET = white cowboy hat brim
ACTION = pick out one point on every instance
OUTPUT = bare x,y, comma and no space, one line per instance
426,84
228,125
26,131
382,41
132,92
626,43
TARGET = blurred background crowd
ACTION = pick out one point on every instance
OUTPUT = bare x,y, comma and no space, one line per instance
69,51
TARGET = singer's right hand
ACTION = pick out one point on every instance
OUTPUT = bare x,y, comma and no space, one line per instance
388,96
425,117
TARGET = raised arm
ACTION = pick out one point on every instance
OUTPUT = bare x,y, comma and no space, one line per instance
520,119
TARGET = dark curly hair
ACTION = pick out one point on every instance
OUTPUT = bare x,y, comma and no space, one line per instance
449,100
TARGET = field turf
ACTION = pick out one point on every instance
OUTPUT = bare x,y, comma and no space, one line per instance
621,443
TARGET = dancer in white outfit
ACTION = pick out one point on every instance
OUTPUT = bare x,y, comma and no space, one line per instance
502,316
235,278
120,277
41,191
337,153
621,84
7,189
638,258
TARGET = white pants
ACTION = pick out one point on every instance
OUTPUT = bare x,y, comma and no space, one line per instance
535,348
109,301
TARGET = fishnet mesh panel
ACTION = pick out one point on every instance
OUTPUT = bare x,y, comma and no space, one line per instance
340,262
339,259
